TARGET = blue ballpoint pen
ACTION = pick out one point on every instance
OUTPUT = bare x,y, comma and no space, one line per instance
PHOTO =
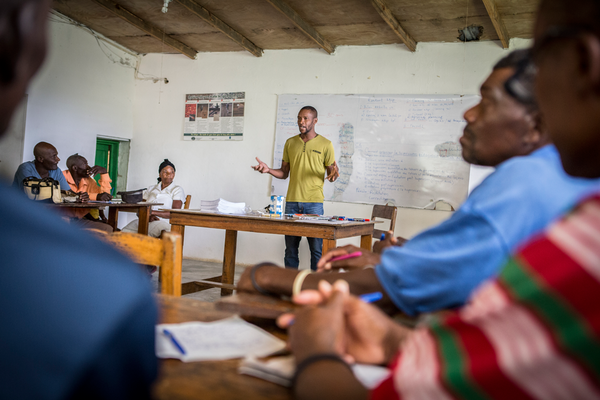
371,297
174,341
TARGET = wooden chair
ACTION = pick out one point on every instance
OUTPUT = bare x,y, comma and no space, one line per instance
383,212
166,252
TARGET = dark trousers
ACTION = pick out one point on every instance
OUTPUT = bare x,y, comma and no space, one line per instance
293,242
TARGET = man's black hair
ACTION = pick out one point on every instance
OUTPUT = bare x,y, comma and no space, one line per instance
311,109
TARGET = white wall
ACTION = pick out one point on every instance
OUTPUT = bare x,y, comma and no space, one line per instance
208,170
78,95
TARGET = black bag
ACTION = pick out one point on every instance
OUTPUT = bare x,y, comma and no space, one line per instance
46,189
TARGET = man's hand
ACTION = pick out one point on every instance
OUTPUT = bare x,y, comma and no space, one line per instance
104,197
245,283
153,217
366,259
95,170
83,197
388,241
261,167
333,172
333,321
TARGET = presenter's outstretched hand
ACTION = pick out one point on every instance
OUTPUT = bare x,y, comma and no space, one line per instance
367,259
261,167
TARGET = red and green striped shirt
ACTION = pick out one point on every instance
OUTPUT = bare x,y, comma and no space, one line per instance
532,333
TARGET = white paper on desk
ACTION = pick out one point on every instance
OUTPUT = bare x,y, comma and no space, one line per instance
280,370
219,340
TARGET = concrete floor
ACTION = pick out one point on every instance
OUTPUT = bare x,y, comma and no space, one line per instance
192,270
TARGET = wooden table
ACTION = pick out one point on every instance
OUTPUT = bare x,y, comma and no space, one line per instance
328,231
142,209
208,380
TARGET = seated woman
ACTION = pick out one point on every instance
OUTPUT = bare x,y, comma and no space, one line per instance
165,192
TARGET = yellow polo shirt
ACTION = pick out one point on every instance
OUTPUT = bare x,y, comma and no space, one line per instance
308,162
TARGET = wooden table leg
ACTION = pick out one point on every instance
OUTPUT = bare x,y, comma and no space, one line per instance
229,260
113,217
328,244
366,242
144,220
177,229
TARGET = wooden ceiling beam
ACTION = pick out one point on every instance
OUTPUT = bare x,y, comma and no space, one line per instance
304,26
147,27
231,33
492,9
389,18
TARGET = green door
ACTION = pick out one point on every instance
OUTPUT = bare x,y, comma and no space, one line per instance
107,156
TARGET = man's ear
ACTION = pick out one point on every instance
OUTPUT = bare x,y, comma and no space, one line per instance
536,134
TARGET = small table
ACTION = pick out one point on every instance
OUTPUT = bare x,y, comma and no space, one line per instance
208,380
329,231
142,208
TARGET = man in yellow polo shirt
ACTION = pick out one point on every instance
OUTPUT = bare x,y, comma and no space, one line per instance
306,159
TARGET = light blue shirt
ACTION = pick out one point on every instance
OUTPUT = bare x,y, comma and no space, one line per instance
27,169
440,267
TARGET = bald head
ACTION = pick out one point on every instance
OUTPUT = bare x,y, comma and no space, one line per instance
46,156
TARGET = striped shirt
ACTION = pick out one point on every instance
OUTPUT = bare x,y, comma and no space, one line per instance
533,333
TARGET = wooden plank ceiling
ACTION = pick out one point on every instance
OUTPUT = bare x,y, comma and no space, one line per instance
191,26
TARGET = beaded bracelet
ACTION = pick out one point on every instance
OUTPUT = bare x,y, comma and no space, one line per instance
316,358
255,284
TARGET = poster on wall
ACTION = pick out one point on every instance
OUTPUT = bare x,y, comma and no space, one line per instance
214,116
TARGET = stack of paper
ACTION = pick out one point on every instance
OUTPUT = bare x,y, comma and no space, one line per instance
219,340
280,370
222,206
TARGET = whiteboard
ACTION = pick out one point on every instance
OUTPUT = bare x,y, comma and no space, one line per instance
391,149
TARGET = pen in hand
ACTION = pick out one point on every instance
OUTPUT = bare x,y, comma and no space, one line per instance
346,256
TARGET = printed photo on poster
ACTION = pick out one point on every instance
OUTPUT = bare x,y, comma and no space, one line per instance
214,116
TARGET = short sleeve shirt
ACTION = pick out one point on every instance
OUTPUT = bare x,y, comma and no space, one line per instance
27,169
308,162
166,196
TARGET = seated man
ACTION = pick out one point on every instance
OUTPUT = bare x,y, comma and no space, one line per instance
79,177
532,333
441,267
44,165
79,318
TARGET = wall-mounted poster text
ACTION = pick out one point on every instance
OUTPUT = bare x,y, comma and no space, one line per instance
214,116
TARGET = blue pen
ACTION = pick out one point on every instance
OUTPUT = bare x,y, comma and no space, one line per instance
371,297
174,341
382,236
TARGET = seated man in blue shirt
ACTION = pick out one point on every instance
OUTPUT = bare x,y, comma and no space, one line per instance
44,165
440,267
71,329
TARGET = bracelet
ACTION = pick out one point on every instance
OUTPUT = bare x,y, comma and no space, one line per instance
307,362
297,286
253,280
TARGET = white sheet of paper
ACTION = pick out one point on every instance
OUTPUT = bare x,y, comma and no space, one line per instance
280,370
220,340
